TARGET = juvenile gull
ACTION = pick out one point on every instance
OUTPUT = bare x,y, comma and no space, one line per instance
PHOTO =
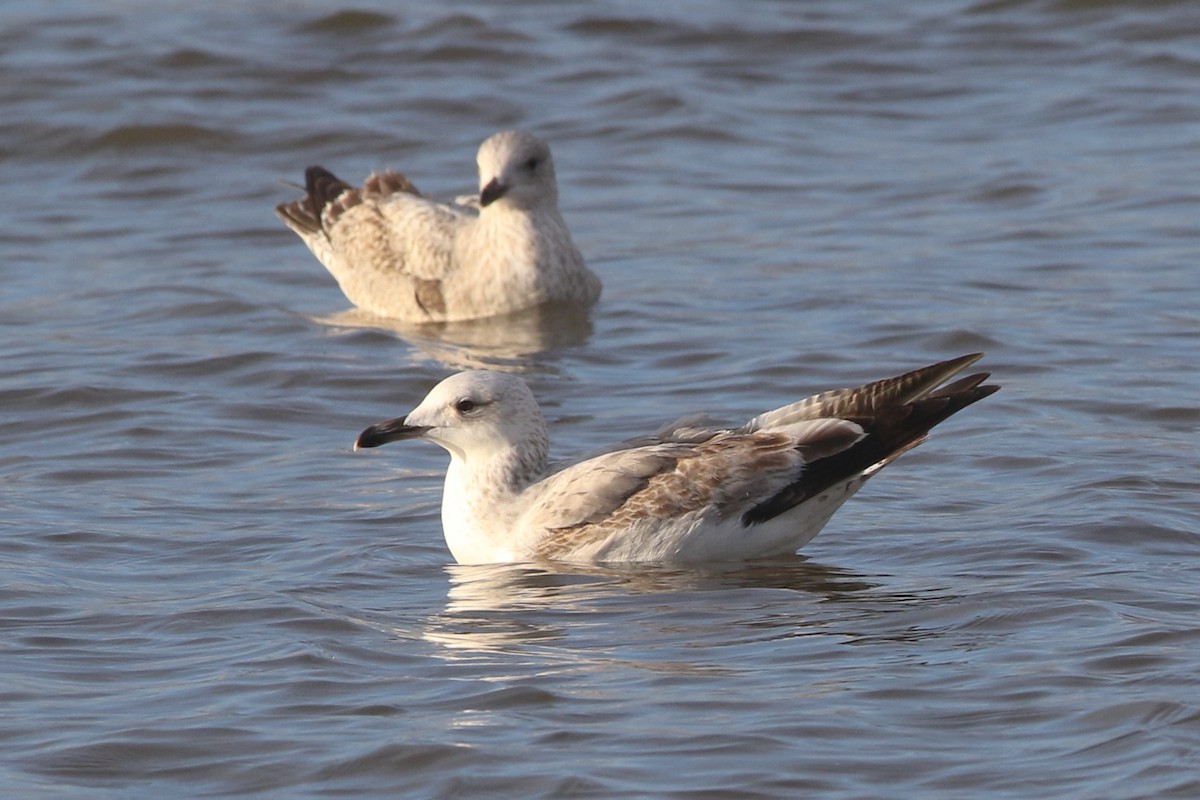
397,254
686,494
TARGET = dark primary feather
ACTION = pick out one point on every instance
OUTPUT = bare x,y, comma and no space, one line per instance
863,401
896,414
323,188
328,197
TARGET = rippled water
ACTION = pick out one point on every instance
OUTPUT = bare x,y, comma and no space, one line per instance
206,592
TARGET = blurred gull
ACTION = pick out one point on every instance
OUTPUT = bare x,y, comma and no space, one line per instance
686,494
396,254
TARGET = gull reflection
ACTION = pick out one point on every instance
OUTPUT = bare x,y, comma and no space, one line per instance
501,343
499,607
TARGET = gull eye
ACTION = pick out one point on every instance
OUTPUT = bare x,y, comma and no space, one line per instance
465,406
531,164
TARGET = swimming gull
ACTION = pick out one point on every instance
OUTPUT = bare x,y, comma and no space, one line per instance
686,494
397,254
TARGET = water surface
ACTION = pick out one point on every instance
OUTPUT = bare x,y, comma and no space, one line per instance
207,593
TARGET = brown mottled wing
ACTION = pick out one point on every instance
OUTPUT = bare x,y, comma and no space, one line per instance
428,292
377,188
589,491
590,501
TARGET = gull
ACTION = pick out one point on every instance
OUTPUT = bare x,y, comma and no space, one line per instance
397,254
687,494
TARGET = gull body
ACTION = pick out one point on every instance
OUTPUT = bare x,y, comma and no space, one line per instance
685,494
397,254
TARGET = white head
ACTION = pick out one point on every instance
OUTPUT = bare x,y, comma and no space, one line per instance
477,416
516,167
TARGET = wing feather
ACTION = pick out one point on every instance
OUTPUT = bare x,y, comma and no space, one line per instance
659,485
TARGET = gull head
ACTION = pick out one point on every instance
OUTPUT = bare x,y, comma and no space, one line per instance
516,167
475,415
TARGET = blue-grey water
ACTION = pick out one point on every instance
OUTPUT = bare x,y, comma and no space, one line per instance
205,592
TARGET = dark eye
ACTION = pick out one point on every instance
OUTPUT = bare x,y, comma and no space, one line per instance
531,164
465,406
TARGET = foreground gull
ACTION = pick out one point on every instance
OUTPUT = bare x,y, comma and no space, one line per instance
396,254
687,494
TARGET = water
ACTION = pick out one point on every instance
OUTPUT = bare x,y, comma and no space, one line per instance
206,593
